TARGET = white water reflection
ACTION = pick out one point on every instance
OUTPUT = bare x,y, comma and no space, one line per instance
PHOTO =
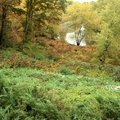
70,38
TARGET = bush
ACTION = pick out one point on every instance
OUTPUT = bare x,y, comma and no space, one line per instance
109,106
65,71
23,100
33,50
29,94
116,74
53,56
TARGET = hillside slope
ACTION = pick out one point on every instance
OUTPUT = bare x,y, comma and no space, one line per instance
52,80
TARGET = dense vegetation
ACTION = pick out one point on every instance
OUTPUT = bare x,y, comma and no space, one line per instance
34,94
44,78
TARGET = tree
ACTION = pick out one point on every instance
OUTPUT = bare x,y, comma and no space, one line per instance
28,19
110,19
4,5
43,17
6,9
48,15
30,4
79,14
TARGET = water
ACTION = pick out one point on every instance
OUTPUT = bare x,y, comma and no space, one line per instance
70,38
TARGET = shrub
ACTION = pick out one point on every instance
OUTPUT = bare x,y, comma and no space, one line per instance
53,56
116,74
30,94
65,71
109,107
33,50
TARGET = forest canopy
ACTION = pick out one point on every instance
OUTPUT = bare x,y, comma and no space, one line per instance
22,18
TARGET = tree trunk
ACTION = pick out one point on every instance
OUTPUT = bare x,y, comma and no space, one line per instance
28,22
3,23
78,44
